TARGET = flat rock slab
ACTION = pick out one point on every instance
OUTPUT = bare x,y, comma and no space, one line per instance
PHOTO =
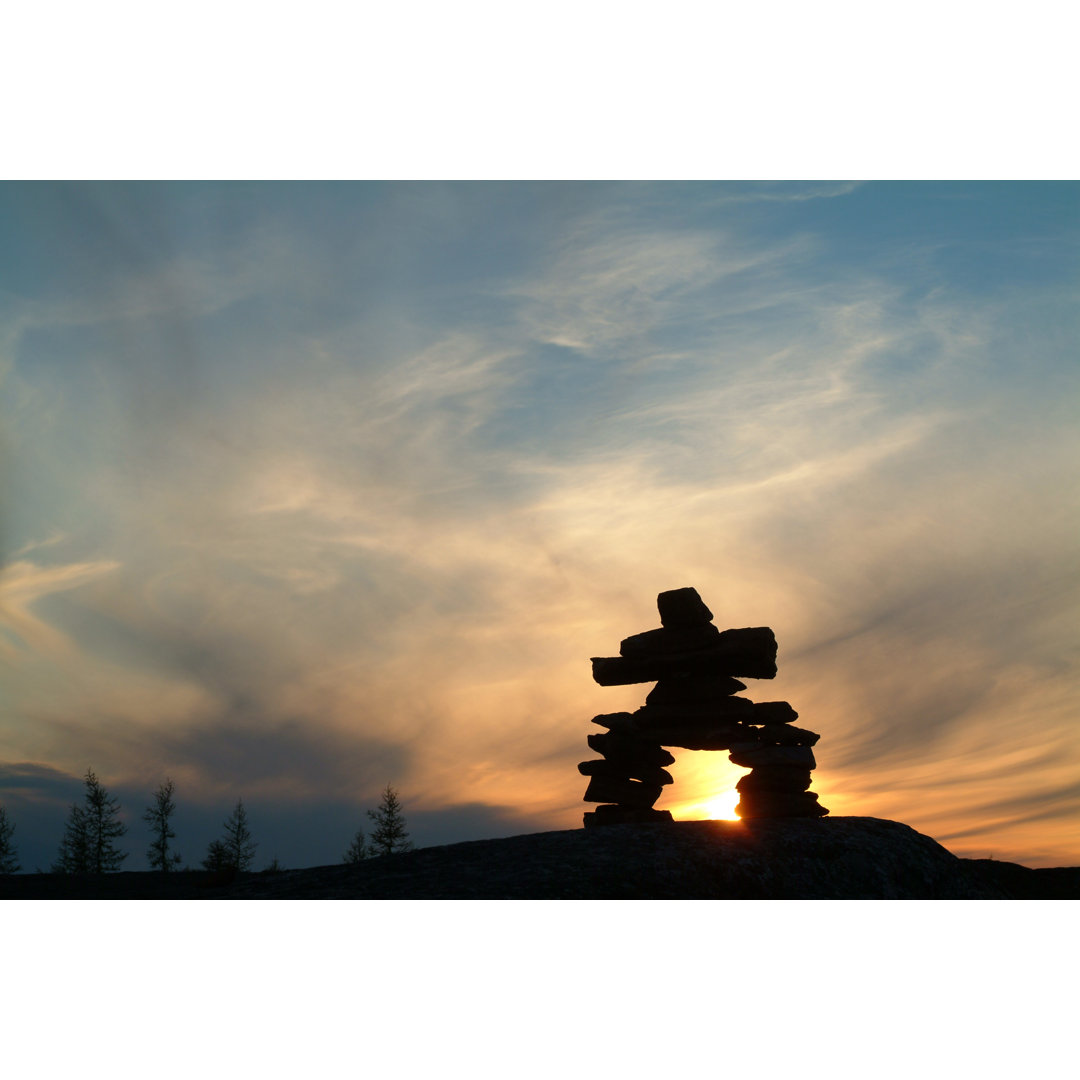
689,688
749,651
626,792
749,757
669,639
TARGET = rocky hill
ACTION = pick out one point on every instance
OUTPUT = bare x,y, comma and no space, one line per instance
835,858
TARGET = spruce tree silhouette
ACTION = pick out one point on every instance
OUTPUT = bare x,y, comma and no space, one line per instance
72,856
235,850
389,835
217,857
157,817
103,827
358,850
9,860
87,846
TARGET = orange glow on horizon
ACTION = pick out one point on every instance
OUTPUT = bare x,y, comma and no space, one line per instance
722,806
706,782
719,807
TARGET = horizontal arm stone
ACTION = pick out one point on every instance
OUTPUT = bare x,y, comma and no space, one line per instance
670,639
750,757
749,652
606,789
620,771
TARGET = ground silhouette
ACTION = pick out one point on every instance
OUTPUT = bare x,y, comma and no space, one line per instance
833,858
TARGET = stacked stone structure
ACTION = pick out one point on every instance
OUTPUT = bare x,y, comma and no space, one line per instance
694,705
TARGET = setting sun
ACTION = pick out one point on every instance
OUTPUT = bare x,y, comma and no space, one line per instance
722,806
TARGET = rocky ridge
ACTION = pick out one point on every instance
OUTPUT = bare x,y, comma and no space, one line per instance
833,858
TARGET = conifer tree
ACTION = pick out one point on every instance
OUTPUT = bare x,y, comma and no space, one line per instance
235,849
9,860
389,835
73,855
157,817
102,827
216,856
357,851
87,846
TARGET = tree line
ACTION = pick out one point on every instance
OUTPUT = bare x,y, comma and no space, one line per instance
88,845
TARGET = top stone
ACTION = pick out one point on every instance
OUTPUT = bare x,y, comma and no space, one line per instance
682,607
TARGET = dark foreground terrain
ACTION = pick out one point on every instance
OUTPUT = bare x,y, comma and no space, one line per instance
835,858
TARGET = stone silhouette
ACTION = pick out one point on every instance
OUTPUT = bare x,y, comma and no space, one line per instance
695,706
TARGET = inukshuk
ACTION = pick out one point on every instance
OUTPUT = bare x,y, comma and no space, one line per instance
695,706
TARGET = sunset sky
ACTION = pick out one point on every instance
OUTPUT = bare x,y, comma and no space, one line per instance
310,488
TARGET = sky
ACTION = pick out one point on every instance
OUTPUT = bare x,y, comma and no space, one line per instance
310,488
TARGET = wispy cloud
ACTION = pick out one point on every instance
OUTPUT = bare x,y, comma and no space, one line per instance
21,585
788,192
609,283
